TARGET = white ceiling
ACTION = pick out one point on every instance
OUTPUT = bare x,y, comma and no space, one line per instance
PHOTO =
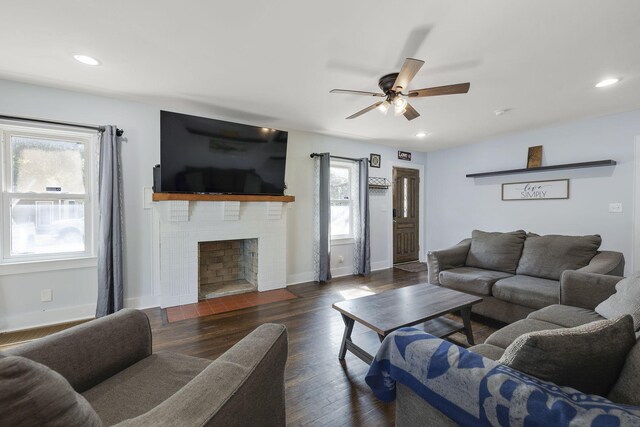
272,63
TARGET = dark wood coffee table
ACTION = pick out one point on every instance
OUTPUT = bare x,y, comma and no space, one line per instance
410,306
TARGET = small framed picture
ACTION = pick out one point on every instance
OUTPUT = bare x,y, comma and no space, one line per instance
374,160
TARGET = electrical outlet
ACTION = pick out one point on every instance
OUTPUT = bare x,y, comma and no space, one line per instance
615,207
46,295
340,259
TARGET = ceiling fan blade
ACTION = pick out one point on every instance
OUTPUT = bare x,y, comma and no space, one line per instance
408,71
441,90
357,92
410,113
366,110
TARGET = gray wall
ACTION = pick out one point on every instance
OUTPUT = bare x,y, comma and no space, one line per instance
74,288
456,204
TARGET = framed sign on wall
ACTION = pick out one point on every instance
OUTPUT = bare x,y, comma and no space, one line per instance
536,190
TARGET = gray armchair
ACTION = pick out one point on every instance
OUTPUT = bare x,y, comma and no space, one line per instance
109,361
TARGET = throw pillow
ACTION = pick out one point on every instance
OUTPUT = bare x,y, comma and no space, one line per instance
548,256
495,251
588,358
37,395
626,389
626,300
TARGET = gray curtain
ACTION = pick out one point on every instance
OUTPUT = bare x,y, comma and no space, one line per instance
363,250
322,218
110,277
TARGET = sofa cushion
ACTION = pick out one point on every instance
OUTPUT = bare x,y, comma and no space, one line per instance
143,386
627,388
33,394
470,279
588,358
528,291
505,336
626,300
495,251
565,315
487,350
548,256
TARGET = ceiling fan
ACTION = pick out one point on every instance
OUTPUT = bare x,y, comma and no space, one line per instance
393,86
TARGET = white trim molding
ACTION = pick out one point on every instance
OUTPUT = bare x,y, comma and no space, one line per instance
635,262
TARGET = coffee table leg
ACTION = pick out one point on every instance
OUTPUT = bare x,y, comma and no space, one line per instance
348,328
466,319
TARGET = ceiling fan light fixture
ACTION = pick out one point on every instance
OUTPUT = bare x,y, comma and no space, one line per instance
399,106
384,107
608,82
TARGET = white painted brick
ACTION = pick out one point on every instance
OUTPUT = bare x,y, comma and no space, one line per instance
195,222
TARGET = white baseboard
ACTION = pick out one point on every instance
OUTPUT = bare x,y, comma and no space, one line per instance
380,265
37,319
294,279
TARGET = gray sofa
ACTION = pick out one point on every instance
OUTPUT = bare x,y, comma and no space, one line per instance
579,294
517,273
109,361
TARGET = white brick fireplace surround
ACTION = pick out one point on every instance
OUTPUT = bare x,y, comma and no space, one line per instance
183,224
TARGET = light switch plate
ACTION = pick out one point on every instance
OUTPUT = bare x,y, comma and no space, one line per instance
615,207
46,295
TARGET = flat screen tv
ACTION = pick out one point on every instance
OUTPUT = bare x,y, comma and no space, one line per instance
200,155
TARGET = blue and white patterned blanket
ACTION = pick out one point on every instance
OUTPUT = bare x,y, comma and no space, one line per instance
476,391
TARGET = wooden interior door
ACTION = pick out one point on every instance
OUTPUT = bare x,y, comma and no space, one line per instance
406,214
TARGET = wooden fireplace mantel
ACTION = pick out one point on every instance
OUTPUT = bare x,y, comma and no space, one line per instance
160,197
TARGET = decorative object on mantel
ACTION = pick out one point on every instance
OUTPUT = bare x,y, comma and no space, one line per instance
534,157
536,190
374,160
378,183
404,155
593,164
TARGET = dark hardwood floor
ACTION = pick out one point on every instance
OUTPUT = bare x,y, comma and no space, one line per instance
320,390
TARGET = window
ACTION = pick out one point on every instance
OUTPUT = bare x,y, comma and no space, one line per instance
341,200
47,189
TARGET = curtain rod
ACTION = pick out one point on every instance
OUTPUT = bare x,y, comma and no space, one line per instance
312,155
119,132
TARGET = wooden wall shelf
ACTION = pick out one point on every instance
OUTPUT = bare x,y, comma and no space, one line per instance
160,197
597,163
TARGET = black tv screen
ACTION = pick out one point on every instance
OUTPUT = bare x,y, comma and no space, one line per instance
200,155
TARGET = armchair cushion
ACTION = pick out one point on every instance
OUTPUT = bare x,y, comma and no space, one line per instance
495,251
588,358
143,386
33,394
548,256
626,300
472,390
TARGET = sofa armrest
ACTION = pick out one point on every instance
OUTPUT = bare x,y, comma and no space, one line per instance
445,259
90,353
244,386
586,290
605,262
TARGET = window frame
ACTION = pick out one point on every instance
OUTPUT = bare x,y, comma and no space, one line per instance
343,238
90,140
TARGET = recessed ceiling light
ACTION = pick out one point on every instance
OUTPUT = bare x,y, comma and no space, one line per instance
608,82
421,134
501,112
86,60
